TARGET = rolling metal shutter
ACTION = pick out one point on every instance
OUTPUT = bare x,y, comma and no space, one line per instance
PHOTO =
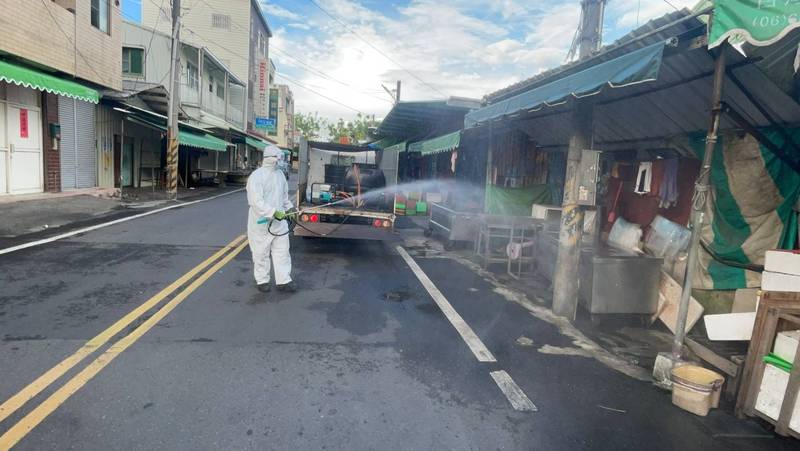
78,154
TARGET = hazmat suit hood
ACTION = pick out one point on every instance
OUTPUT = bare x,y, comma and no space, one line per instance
272,154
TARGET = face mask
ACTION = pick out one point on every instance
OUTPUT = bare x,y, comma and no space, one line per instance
270,162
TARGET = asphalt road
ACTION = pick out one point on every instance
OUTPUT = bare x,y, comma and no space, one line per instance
363,357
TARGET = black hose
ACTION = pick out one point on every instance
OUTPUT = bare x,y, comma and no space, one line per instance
733,264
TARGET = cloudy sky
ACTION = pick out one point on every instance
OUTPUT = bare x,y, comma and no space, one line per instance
335,54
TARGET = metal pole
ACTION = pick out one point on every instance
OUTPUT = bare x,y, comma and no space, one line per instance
174,103
566,281
699,202
397,95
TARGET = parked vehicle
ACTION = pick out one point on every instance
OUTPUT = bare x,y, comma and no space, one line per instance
344,191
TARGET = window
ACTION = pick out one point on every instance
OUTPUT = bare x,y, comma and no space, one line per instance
100,15
221,91
221,21
132,61
192,80
262,44
210,83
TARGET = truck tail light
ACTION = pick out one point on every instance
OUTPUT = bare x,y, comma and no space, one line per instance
377,223
314,218
304,218
387,223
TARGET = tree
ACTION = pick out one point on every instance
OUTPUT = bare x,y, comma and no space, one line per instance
309,125
358,130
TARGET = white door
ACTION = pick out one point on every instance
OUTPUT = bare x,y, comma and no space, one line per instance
4,154
24,150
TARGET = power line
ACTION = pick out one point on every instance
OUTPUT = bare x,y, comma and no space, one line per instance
58,25
337,19
238,55
672,5
147,50
317,93
304,65
308,68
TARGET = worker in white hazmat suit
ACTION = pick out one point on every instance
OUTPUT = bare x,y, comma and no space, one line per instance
267,231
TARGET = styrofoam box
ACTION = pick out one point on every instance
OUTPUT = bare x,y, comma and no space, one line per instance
775,281
770,396
786,345
433,198
786,262
730,326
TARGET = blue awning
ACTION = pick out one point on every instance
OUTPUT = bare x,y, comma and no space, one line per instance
636,67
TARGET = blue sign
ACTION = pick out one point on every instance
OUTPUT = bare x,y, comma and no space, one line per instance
265,122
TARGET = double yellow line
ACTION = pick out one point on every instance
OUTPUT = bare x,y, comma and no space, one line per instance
17,432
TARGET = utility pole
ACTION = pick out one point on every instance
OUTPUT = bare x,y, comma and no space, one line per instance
394,94
397,93
174,103
566,281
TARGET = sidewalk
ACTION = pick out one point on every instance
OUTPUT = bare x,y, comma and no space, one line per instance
38,216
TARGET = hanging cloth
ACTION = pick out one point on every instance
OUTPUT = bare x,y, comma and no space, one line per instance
644,178
668,192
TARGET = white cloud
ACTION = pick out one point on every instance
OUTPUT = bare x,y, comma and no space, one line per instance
460,47
278,11
299,26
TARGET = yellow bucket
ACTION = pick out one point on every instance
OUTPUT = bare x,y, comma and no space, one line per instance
696,389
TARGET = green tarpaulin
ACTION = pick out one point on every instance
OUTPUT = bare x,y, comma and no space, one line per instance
255,142
205,141
399,147
516,201
757,22
35,79
751,209
444,143
635,67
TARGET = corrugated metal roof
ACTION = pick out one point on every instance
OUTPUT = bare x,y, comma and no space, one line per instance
422,119
670,25
662,112
673,106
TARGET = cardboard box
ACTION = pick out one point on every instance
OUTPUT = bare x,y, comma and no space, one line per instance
785,262
786,345
775,281
770,396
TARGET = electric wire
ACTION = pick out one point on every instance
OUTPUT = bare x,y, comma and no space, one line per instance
347,27
286,54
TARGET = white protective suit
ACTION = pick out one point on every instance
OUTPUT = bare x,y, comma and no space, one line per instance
268,192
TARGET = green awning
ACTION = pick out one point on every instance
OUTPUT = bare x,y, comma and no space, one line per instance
399,147
30,78
255,142
638,66
204,141
444,143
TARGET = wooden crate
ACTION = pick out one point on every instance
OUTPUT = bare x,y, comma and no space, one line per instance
777,311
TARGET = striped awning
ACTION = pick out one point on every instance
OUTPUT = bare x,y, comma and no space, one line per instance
444,143
34,79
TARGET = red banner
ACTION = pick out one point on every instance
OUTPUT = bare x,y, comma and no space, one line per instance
23,123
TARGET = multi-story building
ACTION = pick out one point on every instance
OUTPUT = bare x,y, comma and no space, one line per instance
237,32
212,100
56,54
282,112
